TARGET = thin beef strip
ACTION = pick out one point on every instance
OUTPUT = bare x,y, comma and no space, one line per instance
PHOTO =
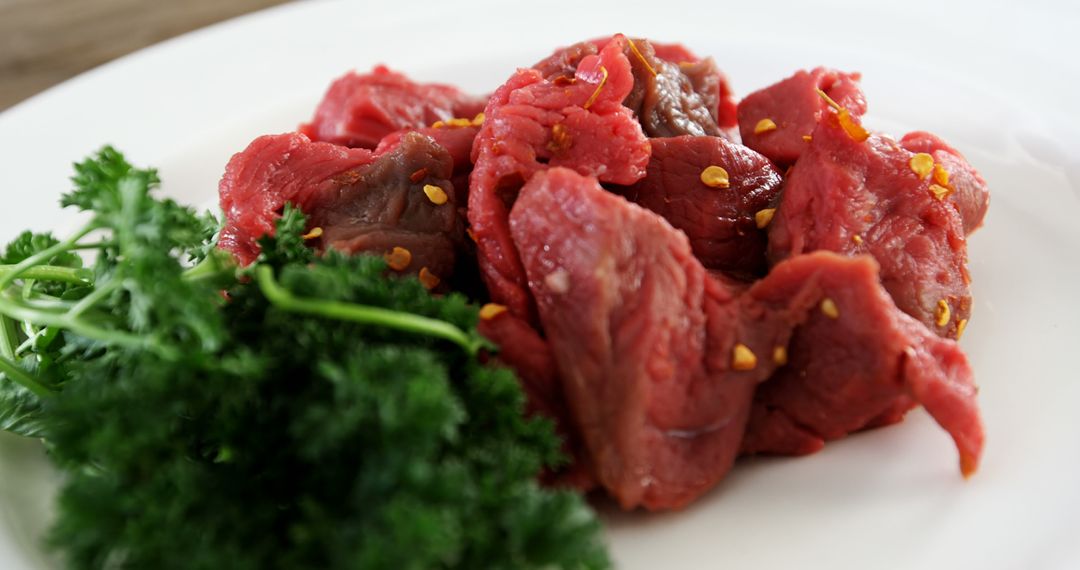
794,107
857,197
533,123
858,362
721,222
360,109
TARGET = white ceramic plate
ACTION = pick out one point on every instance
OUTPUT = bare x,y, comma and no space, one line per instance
996,83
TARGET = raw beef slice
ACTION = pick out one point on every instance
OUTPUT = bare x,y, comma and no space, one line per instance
857,362
969,191
360,109
273,170
720,221
857,197
360,201
532,124
384,205
675,92
795,107
645,341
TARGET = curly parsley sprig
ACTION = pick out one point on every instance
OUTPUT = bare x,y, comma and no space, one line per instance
304,412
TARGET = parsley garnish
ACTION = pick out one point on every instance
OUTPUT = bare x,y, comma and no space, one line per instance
304,412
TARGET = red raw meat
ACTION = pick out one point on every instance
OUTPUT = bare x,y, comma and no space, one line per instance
643,339
383,205
532,124
633,319
673,88
670,102
523,350
862,367
864,197
457,140
361,202
795,107
970,193
273,170
645,344
360,109
720,222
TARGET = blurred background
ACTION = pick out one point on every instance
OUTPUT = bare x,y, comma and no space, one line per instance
44,42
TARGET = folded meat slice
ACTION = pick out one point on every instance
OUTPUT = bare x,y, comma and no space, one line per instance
969,192
358,110
858,362
273,170
657,360
713,87
667,101
870,197
721,222
360,201
533,123
675,92
794,107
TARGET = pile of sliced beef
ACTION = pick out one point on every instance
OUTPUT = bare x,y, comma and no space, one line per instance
677,279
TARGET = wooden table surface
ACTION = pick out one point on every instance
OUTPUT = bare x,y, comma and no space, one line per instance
44,42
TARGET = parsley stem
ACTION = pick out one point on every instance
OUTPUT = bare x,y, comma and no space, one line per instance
17,270
51,273
76,325
7,337
93,245
96,295
20,377
216,264
364,314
